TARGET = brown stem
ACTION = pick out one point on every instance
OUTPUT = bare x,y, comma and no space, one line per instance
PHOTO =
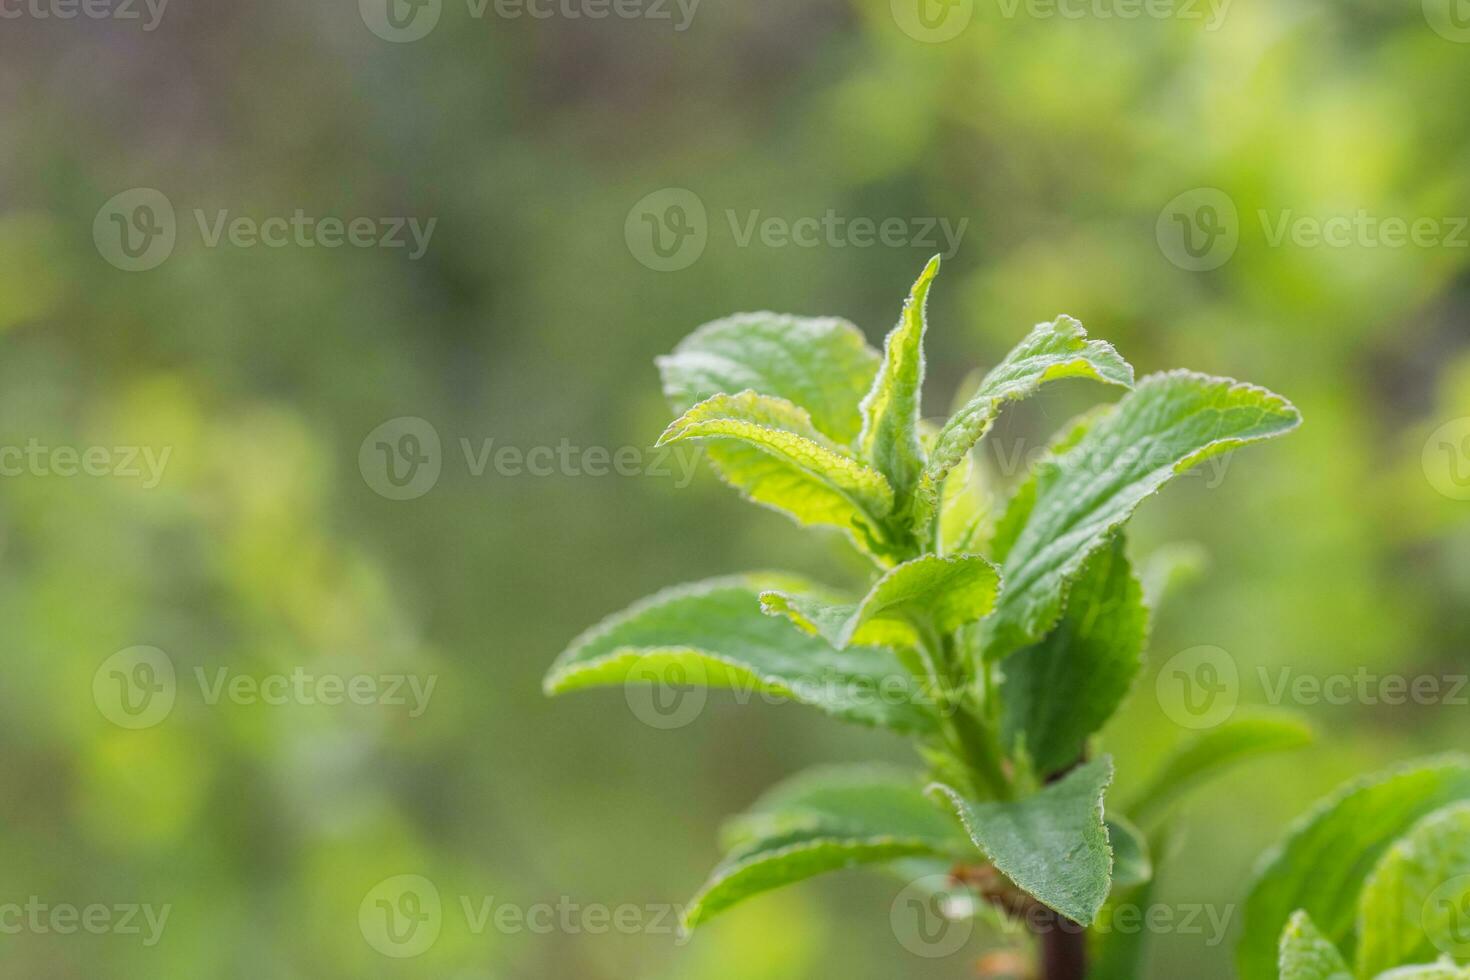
1063,942
1063,947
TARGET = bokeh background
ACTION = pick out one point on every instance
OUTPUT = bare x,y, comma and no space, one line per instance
267,543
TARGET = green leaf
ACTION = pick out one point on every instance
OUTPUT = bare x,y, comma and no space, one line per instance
713,634
1051,351
1168,424
1413,906
1326,856
1052,845
1242,737
822,364
821,821
1305,954
890,434
1057,693
911,601
778,458
966,509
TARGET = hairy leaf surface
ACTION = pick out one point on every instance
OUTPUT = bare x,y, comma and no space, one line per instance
1322,864
826,820
823,364
926,593
1305,954
1053,845
1168,424
1414,904
1051,351
1057,693
890,434
768,449
713,634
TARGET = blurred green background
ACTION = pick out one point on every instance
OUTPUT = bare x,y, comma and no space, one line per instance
265,547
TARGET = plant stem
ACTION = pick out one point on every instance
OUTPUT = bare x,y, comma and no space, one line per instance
981,751
1063,948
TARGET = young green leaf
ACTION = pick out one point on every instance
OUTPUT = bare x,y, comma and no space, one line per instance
1053,845
1056,693
781,460
825,821
890,435
911,601
1051,351
713,634
1326,856
1168,424
822,364
856,796
1305,954
1240,738
1412,906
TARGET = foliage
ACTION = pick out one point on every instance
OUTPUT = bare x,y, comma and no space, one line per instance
1383,866
1010,642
